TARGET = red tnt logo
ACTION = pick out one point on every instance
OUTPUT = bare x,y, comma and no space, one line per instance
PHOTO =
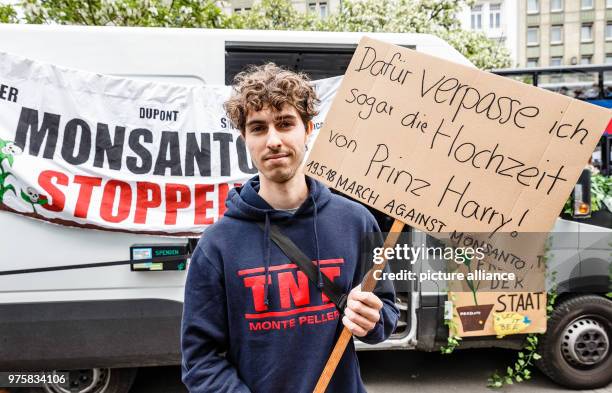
292,284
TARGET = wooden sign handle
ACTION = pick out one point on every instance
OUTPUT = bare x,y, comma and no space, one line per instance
368,284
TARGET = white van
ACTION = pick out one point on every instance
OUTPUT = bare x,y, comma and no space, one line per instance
105,322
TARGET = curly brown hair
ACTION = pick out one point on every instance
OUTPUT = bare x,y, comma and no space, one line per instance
270,85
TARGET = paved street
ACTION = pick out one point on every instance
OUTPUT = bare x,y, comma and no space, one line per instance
400,371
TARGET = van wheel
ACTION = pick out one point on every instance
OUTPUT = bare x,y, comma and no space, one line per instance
96,380
577,347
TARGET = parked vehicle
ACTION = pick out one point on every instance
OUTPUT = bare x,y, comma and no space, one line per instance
104,323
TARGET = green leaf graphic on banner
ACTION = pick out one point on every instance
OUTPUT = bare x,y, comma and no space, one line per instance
25,197
8,149
5,189
32,197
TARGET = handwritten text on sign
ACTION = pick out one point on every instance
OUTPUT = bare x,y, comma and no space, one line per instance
444,147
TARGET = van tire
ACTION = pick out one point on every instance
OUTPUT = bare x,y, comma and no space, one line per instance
572,349
116,380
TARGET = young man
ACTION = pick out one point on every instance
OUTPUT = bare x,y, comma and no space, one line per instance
243,297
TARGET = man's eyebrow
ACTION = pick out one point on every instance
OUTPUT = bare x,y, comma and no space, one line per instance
254,122
286,116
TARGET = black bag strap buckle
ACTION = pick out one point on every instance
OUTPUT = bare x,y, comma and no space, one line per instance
341,305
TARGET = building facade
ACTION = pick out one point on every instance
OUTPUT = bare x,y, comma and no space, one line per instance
497,19
564,32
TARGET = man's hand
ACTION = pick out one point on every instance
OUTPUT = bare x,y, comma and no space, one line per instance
362,311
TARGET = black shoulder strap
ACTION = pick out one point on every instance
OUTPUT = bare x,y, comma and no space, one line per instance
288,247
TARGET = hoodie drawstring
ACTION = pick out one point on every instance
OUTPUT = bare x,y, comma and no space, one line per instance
267,245
267,259
316,235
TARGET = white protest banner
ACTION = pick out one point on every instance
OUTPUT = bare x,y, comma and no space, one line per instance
89,150
450,149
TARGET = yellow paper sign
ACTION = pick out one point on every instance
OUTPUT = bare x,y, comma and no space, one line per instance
506,323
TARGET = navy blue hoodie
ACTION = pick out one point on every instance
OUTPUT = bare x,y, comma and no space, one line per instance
241,335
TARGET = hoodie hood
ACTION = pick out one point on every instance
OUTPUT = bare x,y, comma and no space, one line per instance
245,203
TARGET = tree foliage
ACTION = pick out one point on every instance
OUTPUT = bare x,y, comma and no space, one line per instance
7,14
274,15
152,13
436,17
483,52
398,16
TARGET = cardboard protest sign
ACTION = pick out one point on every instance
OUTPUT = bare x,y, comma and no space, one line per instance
95,151
479,300
499,313
450,149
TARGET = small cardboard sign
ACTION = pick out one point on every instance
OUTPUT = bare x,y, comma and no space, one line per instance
447,148
499,313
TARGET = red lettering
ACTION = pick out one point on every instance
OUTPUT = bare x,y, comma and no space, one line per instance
108,201
87,184
174,202
256,283
319,318
267,325
145,202
289,289
56,196
202,204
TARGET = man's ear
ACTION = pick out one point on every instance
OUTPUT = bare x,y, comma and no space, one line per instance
309,127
